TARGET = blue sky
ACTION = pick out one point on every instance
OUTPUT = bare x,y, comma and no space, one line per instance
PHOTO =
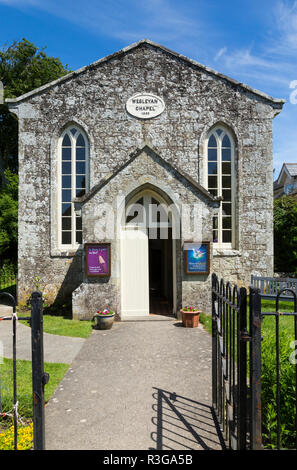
252,41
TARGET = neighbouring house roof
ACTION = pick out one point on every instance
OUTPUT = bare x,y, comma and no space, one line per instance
289,169
146,42
292,168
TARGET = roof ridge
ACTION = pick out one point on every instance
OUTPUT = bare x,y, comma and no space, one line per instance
133,46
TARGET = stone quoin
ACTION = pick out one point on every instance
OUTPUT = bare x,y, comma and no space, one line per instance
142,154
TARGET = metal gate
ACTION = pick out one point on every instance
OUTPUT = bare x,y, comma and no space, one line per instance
39,377
236,370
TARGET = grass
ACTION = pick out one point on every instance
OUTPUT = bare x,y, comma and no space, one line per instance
63,326
24,397
24,384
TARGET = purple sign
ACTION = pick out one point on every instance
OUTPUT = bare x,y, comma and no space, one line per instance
98,259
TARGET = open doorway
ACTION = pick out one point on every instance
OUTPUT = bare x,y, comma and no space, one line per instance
161,275
148,257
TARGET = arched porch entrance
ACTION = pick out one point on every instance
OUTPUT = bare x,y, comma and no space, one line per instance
148,256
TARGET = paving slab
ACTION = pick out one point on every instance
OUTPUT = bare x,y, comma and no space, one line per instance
139,386
56,348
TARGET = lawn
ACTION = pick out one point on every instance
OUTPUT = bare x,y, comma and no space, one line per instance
63,326
24,398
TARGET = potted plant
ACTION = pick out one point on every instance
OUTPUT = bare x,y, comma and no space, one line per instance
104,319
190,317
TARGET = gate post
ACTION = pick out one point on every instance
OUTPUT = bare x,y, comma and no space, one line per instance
243,337
214,282
39,378
255,370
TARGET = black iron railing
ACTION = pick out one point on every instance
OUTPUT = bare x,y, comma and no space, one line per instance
229,361
237,371
39,377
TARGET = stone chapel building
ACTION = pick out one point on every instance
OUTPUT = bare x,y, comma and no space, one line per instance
142,142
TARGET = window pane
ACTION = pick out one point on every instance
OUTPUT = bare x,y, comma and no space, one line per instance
227,208
212,155
227,236
80,168
80,153
80,192
78,237
212,141
66,238
214,192
226,155
66,209
66,153
219,131
66,181
226,182
66,195
212,168
215,236
66,223
212,181
73,130
78,223
226,168
226,193
226,142
215,222
80,181
227,221
66,168
66,141
80,141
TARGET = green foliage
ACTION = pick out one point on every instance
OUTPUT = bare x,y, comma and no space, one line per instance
287,391
24,385
285,234
23,67
9,216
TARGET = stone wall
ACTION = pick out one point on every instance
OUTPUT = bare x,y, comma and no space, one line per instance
94,99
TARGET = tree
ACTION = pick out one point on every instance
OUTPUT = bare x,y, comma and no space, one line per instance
9,217
285,234
23,67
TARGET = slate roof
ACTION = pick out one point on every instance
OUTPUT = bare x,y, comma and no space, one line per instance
292,168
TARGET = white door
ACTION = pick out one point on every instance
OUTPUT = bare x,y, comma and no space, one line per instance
134,272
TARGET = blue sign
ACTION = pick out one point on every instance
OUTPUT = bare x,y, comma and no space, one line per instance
197,258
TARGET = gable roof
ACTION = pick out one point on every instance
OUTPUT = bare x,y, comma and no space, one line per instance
147,42
179,173
290,169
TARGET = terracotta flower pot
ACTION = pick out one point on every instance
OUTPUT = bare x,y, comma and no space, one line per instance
103,322
190,318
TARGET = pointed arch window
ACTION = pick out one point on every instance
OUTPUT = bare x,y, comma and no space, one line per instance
73,183
221,182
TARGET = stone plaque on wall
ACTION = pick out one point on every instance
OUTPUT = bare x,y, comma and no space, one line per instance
145,105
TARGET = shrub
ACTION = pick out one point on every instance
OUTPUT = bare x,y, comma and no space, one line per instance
269,391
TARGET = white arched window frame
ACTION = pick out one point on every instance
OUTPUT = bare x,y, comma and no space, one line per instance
73,181
220,180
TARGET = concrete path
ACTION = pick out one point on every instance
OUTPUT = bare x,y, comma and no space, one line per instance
56,348
138,386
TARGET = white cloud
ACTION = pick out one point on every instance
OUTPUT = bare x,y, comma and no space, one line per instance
286,17
221,52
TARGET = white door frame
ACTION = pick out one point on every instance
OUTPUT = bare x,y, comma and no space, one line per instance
147,194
